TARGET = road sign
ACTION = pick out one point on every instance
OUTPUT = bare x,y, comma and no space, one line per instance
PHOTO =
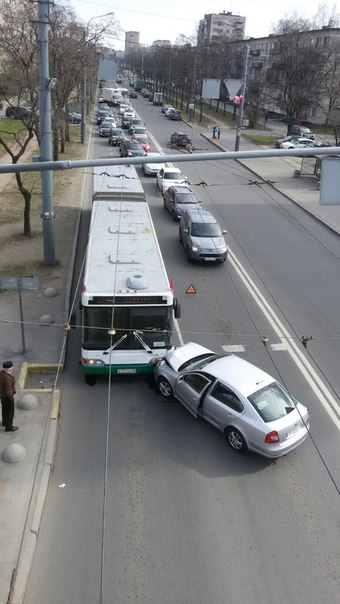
19,283
191,289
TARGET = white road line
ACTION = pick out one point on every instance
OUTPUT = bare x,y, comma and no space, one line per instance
233,348
326,398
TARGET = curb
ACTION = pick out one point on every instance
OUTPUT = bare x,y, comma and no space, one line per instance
36,508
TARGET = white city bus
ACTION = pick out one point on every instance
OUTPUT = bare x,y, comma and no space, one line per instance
127,301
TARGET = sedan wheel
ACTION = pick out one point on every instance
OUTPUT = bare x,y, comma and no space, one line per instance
164,388
236,440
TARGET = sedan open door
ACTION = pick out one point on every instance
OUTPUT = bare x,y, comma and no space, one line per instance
190,389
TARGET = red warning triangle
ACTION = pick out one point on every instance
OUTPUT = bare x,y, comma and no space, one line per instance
191,289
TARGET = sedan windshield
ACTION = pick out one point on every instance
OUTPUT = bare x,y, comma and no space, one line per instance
272,402
202,229
183,198
173,176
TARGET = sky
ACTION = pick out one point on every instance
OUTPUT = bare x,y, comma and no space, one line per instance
157,20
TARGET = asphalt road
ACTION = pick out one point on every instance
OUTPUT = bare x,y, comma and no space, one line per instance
166,512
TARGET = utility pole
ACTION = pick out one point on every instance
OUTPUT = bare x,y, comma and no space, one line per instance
45,86
240,114
192,100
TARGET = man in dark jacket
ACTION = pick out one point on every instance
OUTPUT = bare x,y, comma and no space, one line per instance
7,392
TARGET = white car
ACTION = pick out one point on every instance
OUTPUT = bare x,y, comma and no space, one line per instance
151,169
168,110
124,107
129,114
297,143
168,177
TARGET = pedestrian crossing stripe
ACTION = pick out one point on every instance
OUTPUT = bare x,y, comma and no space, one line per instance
191,289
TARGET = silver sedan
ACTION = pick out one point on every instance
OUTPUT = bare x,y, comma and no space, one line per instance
252,409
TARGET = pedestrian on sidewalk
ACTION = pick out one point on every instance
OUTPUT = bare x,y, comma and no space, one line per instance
7,392
214,131
218,131
266,115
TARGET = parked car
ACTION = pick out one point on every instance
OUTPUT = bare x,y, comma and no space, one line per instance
73,117
297,143
131,149
150,168
174,115
166,177
116,136
143,141
302,131
202,236
105,127
15,112
168,110
178,199
252,409
180,139
285,139
164,108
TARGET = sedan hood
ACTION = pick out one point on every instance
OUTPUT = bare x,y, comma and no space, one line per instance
176,358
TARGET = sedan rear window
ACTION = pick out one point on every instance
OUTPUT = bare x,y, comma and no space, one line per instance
272,402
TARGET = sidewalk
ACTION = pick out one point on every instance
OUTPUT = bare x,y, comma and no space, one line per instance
23,485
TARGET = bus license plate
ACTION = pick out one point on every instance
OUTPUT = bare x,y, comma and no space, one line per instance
126,370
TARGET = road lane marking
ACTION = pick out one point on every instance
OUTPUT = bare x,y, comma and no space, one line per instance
326,398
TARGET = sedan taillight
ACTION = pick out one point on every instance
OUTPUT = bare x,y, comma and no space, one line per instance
272,438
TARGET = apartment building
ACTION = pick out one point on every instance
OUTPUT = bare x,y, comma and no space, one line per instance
218,26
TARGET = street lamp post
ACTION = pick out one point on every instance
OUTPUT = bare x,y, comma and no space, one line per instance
240,114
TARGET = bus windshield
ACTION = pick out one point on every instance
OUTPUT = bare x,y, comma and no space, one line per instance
153,325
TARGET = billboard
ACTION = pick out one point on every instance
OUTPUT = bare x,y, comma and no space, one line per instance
211,88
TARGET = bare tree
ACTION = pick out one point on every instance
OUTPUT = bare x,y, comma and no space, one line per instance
19,83
298,69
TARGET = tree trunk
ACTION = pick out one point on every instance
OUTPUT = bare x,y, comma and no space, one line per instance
27,204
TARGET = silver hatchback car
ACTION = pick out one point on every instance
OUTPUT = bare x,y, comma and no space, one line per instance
202,236
250,407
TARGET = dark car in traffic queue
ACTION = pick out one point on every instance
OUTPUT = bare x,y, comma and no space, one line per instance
131,148
102,114
105,128
178,199
116,136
